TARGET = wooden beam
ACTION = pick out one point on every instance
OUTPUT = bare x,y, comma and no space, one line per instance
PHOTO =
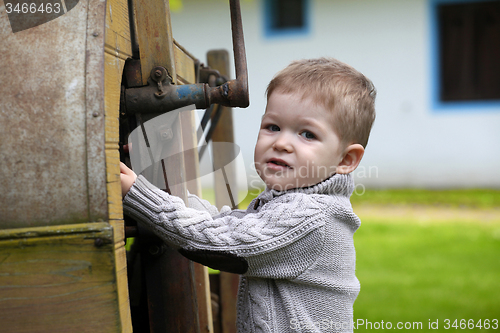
154,34
58,279
118,48
219,60
177,288
185,68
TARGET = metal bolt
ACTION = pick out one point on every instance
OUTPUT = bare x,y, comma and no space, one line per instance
95,34
98,242
95,114
225,90
158,73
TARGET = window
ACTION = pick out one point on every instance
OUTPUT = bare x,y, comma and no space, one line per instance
468,42
285,17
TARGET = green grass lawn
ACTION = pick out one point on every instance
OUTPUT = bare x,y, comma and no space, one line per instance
468,198
414,272
471,198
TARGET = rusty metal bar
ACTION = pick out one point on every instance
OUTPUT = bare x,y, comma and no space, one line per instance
235,92
160,96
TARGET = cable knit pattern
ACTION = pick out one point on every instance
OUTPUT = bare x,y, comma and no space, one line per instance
298,245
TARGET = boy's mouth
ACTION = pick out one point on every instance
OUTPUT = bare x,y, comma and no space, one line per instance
277,163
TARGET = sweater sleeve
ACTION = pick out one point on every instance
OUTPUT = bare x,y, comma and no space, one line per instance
274,236
203,205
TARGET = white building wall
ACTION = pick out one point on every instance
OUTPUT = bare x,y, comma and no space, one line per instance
411,144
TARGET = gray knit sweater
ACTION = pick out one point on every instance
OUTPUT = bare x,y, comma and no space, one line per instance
298,245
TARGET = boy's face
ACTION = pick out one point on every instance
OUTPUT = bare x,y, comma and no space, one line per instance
296,146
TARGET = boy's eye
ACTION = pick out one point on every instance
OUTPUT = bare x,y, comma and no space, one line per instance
308,135
273,128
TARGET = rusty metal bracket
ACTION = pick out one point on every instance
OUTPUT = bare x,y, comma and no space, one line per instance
161,96
211,76
158,75
235,92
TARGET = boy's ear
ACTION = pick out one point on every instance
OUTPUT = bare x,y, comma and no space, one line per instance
352,156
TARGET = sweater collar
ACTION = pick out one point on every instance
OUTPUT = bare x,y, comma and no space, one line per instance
338,184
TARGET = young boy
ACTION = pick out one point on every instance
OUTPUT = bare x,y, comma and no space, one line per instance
294,244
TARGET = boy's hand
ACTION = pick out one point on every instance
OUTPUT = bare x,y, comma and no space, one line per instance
127,178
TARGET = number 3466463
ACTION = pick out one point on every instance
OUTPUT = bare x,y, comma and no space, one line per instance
32,8
463,324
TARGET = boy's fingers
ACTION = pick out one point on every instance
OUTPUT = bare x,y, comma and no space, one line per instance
125,169
127,178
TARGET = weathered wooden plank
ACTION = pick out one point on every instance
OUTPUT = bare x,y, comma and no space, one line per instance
118,39
114,186
113,68
118,48
58,279
228,296
79,162
187,283
191,157
219,60
94,111
184,65
44,172
154,34
168,275
122,288
202,285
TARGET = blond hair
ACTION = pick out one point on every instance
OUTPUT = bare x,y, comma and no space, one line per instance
337,87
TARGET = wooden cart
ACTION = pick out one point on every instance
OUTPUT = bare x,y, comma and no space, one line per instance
63,262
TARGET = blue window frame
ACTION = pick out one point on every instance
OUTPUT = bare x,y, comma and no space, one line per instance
465,61
284,18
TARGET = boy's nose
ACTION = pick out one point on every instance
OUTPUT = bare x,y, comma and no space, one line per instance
283,143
